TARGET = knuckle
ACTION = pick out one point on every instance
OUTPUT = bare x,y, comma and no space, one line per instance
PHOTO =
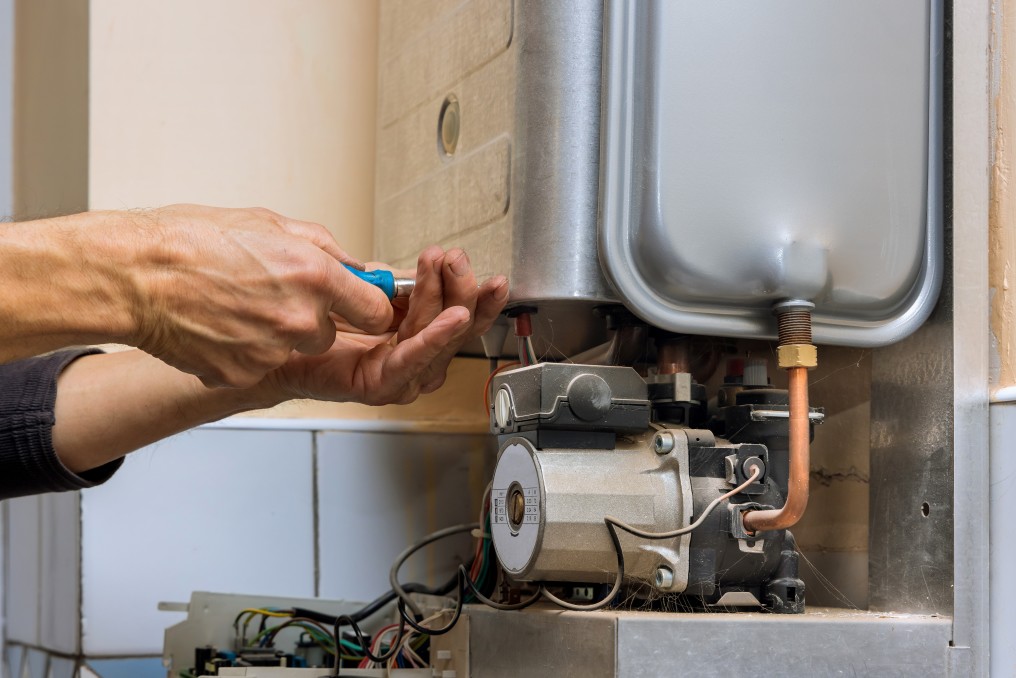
434,384
303,323
263,212
408,395
276,356
314,273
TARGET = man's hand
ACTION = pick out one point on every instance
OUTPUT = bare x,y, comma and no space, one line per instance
151,400
228,294
446,310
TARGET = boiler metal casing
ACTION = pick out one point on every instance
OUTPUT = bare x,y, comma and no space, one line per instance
713,157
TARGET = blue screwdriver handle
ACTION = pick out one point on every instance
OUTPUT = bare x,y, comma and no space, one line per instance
385,281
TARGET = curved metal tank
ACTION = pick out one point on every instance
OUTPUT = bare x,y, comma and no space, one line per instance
737,154
754,152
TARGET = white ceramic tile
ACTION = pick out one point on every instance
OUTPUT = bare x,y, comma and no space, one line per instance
36,664
149,667
61,667
378,492
23,547
60,567
208,510
12,660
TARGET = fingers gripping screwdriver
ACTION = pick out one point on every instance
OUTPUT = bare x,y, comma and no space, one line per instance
385,281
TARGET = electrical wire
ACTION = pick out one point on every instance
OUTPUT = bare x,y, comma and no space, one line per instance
393,574
393,649
404,601
486,386
378,604
490,603
524,333
612,525
756,472
611,595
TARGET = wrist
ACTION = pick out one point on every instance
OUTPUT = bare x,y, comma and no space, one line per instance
115,247
63,287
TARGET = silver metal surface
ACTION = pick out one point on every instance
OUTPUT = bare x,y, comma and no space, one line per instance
546,392
910,556
1003,545
555,174
766,415
547,642
755,152
404,287
564,538
971,171
663,442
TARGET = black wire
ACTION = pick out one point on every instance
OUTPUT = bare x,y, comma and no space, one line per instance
380,602
408,619
490,603
393,649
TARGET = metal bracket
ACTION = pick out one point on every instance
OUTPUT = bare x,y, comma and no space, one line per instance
768,415
747,542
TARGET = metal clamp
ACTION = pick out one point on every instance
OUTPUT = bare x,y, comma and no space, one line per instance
769,415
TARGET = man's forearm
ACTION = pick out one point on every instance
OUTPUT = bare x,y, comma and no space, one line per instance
61,287
111,404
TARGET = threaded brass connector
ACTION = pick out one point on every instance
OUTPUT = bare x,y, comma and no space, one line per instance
797,355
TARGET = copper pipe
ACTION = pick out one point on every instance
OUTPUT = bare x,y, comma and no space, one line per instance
800,462
672,356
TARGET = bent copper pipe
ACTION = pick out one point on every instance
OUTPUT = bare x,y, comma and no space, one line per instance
800,463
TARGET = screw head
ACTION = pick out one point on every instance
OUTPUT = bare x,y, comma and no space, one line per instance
664,577
663,442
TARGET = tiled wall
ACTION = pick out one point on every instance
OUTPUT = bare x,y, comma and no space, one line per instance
274,512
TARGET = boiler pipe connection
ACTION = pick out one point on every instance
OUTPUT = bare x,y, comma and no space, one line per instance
797,355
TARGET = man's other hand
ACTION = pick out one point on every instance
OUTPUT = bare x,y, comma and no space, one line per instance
447,309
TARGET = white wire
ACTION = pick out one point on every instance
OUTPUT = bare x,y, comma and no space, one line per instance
756,472
611,522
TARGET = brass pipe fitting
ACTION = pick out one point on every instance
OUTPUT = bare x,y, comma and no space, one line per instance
796,355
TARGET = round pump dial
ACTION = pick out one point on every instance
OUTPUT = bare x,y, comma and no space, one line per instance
515,508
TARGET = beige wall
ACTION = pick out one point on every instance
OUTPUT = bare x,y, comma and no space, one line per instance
1002,248
50,108
236,103
124,104
239,103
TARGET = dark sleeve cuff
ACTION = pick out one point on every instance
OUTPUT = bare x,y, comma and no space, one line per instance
28,462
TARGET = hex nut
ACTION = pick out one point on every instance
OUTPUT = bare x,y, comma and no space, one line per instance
797,355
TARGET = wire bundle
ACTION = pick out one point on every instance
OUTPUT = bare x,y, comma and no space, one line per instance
524,334
403,649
